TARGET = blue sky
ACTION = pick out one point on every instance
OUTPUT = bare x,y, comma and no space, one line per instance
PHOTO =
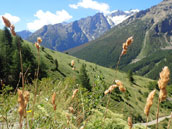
33,14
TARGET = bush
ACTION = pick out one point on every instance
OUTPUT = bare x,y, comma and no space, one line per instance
84,78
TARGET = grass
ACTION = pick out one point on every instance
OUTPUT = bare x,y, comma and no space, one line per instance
120,105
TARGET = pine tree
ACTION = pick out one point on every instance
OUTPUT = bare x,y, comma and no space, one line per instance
7,38
84,78
130,76
56,63
6,55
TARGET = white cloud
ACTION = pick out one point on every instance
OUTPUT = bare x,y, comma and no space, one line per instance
11,18
45,18
101,7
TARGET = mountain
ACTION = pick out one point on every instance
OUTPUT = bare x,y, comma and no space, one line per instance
24,34
118,16
151,29
62,37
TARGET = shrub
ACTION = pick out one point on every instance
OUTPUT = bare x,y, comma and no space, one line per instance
84,78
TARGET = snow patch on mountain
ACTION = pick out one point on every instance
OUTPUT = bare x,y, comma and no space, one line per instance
118,16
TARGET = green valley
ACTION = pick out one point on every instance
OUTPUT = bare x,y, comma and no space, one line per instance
91,109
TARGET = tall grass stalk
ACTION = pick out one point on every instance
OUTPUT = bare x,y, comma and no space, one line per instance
105,113
169,122
118,62
36,87
21,65
157,115
83,109
147,121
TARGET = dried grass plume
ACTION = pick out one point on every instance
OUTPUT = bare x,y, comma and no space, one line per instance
149,102
6,22
130,124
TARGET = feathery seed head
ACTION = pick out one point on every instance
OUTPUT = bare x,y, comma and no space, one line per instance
53,101
149,102
73,68
162,95
21,111
124,51
53,98
106,92
124,46
74,93
122,88
130,124
54,107
82,127
37,45
12,28
6,22
112,87
21,102
20,97
26,96
72,63
120,85
39,40
129,41
164,78
118,82
71,110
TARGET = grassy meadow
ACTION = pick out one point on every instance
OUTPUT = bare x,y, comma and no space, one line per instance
62,91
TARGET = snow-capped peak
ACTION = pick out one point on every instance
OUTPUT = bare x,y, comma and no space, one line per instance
132,11
118,16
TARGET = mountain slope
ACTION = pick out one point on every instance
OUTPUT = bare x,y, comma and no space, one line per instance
24,34
151,29
62,37
63,80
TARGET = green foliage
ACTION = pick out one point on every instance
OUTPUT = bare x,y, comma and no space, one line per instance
5,103
105,51
84,78
89,106
152,65
153,85
10,59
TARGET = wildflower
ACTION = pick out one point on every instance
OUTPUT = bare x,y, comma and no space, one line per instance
29,111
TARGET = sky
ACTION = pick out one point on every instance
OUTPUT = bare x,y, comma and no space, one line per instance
33,14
